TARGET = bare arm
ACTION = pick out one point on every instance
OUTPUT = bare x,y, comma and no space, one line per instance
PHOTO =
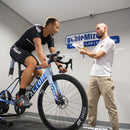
92,54
40,53
39,49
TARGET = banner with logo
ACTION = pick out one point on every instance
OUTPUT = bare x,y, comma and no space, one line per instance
88,38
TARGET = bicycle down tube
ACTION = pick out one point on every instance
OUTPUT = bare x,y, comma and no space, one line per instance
46,75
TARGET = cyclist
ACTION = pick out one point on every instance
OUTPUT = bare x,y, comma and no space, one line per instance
21,51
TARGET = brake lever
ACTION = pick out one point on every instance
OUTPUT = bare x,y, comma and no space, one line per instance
55,58
66,63
71,64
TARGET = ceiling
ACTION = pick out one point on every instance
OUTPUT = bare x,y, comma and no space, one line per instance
36,11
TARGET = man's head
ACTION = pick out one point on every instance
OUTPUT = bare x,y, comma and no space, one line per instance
101,30
53,25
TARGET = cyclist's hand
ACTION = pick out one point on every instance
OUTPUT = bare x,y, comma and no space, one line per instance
44,64
63,69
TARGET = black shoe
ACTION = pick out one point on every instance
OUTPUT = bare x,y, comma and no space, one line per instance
22,102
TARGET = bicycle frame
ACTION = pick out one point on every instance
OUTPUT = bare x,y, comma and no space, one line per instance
47,75
54,86
12,102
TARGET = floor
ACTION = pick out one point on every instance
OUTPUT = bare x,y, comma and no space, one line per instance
29,123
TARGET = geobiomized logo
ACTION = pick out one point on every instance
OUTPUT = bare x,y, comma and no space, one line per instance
88,39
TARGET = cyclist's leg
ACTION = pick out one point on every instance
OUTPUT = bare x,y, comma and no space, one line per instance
29,61
26,77
35,74
24,57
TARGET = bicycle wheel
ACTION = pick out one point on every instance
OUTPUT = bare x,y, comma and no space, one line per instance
4,106
68,116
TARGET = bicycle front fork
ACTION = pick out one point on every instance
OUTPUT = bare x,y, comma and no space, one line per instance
54,85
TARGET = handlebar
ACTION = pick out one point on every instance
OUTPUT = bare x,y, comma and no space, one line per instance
53,57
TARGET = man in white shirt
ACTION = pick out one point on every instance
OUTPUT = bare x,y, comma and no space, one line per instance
101,77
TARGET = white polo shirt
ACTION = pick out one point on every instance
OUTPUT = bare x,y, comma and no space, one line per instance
103,66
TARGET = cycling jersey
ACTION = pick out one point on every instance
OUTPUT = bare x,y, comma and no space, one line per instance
25,45
26,40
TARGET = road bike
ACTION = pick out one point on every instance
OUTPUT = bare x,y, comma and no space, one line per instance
62,100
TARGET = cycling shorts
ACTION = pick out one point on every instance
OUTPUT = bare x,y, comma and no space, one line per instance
20,54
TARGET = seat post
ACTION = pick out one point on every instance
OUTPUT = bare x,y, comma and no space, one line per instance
19,69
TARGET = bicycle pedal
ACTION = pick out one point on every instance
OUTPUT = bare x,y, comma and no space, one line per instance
17,96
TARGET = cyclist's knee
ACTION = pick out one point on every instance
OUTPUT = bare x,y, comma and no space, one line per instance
31,62
38,72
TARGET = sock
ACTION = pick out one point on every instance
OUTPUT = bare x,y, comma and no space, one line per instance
22,91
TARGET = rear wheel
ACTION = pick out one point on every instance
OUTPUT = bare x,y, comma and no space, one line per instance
4,106
70,112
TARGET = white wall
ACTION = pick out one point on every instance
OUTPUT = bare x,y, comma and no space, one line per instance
12,27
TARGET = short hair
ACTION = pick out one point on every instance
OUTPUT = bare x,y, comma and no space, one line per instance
50,20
